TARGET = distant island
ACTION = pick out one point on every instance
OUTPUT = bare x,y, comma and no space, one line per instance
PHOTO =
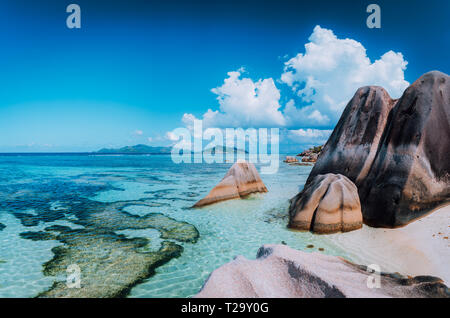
137,149
224,149
144,149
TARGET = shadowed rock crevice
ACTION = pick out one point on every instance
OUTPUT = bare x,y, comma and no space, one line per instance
305,278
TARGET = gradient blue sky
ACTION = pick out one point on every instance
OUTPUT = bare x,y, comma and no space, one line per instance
140,65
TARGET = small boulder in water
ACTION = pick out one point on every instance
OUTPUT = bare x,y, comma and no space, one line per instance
242,179
290,159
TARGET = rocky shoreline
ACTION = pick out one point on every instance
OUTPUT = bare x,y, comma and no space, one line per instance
311,154
386,165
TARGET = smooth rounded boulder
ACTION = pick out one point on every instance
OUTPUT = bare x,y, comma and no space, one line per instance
242,179
282,272
329,204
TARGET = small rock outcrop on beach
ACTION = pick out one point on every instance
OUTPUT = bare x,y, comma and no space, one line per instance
280,271
290,159
242,179
311,154
329,204
395,151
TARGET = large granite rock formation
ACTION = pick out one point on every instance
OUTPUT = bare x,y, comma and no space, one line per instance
280,271
242,179
329,204
395,151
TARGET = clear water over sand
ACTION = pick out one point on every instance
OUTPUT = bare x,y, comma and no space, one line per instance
227,229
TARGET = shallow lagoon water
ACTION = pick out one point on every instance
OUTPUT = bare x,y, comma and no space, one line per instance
41,185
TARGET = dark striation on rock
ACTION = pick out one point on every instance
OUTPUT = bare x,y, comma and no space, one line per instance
352,146
395,151
280,271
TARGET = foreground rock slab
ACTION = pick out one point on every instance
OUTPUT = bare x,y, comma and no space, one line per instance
329,204
280,271
242,179
395,151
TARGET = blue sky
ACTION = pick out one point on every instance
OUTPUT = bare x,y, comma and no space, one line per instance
138,69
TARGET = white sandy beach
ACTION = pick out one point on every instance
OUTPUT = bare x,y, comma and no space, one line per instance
420,248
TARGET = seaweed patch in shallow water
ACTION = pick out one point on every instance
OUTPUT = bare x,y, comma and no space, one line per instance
111,217
110,264
37,236
2,226
40,197
276,215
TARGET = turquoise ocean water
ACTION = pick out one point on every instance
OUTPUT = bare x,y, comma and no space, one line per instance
40,191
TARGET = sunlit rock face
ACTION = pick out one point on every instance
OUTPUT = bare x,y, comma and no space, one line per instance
352,146
290,159
242,179
395,151
280,271
411,173
329,204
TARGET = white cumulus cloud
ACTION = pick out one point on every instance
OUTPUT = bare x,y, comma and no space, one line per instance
322,80
309,135
330,71
244,103
170,135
